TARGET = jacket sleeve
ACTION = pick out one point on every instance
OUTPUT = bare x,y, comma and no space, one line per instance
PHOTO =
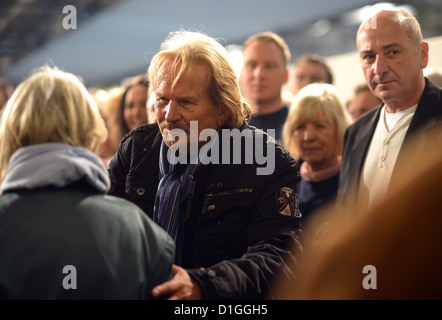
159,253
119,169
136,151
273,231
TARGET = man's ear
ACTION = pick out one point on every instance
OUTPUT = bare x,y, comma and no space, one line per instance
424,48
286,75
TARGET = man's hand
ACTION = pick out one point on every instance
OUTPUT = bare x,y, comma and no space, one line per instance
180,287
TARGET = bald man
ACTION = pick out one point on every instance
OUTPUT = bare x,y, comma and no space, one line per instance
393,55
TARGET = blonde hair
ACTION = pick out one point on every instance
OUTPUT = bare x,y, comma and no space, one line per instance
314,99
271,37
112,109
185,48
50,106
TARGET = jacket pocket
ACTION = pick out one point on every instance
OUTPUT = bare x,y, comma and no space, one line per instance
141,192
216,202
227,212
224,224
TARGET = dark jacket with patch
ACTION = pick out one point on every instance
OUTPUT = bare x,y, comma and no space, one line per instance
240,226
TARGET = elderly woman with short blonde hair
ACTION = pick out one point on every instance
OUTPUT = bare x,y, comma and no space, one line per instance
314,134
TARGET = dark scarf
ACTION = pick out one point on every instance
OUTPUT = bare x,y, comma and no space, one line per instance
173,192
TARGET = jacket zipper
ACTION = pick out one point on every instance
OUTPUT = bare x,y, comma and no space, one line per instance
189,200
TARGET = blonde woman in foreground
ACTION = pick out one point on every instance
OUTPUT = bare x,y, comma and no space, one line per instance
57,226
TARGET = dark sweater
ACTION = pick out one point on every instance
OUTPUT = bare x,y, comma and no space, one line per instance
271,121
313,195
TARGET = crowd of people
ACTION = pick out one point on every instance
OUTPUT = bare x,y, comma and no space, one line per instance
192,182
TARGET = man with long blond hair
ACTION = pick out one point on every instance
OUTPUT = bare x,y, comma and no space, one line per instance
231,221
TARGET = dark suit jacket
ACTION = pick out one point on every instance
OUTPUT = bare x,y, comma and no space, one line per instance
358,137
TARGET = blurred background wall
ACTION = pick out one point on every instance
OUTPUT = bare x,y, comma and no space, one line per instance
110,40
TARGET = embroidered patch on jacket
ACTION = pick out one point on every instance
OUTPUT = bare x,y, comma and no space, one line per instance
288,202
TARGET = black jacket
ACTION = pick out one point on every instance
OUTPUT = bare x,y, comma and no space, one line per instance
236,237
358,137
